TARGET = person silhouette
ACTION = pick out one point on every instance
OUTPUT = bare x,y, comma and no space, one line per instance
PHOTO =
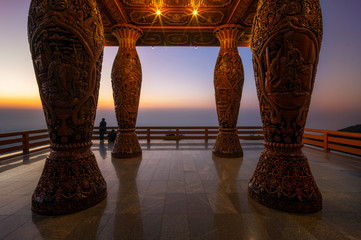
112,135
102,128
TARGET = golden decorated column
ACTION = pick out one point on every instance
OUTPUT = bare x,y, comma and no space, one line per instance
126,82
66,42
286,40
228,84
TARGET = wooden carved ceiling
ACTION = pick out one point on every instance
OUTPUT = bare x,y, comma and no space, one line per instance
176,25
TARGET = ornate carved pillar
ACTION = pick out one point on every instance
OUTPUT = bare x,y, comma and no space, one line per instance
126,81
66,42
228,84
285,44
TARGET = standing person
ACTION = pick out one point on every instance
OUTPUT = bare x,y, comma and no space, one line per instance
102,128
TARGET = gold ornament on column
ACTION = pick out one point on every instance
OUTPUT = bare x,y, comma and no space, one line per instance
286,40
66,42
126,82
228,84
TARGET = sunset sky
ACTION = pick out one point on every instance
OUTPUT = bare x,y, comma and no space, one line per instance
183,77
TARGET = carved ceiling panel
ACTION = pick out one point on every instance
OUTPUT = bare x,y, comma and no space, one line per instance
249,20
177,18
205,39
151,39
216,3
211,18
137,3
177,3
176,25
143,18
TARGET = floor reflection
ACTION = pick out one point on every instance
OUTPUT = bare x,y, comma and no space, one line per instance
127,219
110,146
81,225
227,218
227,171
102,150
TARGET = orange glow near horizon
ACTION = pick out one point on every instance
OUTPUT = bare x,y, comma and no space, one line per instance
159,104
20,102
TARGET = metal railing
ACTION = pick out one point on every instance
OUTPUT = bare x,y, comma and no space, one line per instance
26,141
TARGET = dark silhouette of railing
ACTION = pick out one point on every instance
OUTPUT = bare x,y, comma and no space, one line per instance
182,133
26,141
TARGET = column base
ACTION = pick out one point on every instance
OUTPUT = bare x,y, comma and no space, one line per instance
284,181
126,145
227,145
71,181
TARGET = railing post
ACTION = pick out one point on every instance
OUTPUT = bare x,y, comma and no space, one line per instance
325,141
25,143
206,137
177,138
148,138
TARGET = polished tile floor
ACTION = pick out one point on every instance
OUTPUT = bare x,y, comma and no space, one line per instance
183,193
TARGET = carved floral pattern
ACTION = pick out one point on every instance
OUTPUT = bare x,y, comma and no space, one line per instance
203,39
211,18
228,84
77,193
283,180
151,39
66,42
285,44
126,82
176,18
58,5
144,18
127,145
227,144
175,39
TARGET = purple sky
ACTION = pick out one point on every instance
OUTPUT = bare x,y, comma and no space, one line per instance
183,77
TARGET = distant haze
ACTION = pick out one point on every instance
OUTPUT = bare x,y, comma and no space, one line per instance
29,119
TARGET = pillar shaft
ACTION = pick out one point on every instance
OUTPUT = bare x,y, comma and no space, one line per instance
228,84
66,42
286,39
126,82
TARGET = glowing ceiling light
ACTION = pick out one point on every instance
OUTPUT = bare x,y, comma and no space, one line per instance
195,12
158,12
